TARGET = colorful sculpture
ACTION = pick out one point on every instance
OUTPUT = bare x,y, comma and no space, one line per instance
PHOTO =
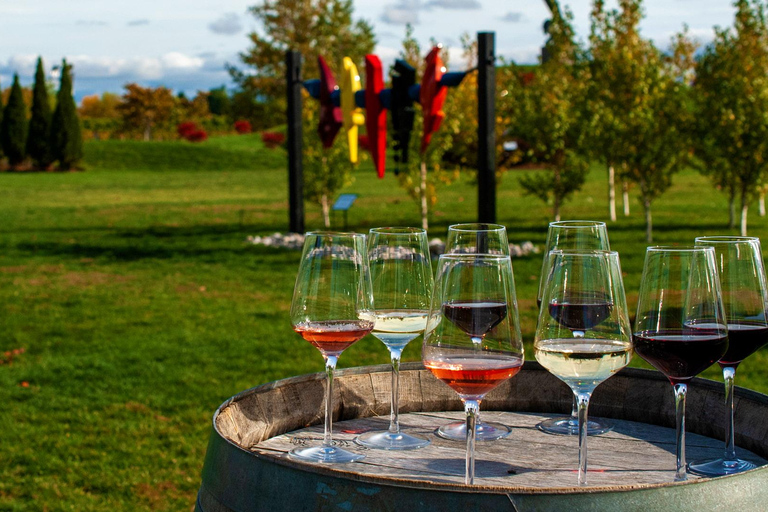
330,113
376,114
352,116
403,80
432,96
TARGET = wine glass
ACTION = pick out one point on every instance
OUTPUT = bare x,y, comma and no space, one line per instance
473,238
583,335
332,308
401,274
474,299
743,284
583,235
680,326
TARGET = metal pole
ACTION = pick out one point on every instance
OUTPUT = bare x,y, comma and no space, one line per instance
486,131
295,173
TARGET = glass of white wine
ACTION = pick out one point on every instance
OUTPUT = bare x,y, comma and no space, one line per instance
401,274
583,334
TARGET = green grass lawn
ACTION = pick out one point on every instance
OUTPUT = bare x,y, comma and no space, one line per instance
140,307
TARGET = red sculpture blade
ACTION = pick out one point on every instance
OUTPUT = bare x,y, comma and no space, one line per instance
432,96
375,113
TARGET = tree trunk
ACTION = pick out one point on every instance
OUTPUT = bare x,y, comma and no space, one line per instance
147,132
648,220
761,204
556,196
732,208
744,211
423,192
625,196
326,211
612,193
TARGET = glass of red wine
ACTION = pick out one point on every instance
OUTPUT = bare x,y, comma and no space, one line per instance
744,291
580,235
472,341
680,326
583,335
401,274
332,308
474,238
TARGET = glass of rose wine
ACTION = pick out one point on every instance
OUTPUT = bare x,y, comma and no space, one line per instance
401,274
583,335
474,238
332,308
743,284
472,341
680,326
582,235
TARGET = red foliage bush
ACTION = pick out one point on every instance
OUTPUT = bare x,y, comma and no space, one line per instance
197,136
242,126
185,128
272,139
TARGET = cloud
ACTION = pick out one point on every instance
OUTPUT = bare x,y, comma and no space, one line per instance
91,23
227,25
401,14
139,22
513,17
455,4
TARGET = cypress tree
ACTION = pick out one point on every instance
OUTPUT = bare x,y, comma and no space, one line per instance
66,140
39,137
13,129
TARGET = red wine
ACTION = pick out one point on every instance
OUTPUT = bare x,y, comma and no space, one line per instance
473,377
333,336
683,353
581,312
475,318
743,340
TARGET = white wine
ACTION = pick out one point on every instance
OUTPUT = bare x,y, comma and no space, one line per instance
396,328
583,364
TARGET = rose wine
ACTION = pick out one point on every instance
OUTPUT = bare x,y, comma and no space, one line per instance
475,318
396,328
681,354
473,377
580,313
333,336
743,340
584,364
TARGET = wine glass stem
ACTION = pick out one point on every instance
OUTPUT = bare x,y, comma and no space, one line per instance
472,407
680,391
583,404
575,408
729,374
330,366
394,416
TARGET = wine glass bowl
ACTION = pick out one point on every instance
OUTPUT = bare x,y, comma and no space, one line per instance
680,327
580,235
583,335
332,308
744,291
401,276
469,286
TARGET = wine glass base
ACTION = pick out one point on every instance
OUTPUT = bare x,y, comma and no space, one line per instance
570,427
457,431
324,454
385,440
720,467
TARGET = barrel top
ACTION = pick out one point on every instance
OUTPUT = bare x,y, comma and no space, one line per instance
268,421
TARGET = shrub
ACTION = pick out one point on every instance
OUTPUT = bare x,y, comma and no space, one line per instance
186,128
242,126
197,136
272,139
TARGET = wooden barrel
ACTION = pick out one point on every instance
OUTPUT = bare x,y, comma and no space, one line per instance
631,468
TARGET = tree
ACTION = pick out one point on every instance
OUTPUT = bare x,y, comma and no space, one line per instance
312,27
66,139
219,101
547,117
144,108
13,131
1,122
39,138
732,98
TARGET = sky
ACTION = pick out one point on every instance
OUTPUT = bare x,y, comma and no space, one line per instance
185,45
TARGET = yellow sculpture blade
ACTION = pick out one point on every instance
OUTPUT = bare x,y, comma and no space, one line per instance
352,115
